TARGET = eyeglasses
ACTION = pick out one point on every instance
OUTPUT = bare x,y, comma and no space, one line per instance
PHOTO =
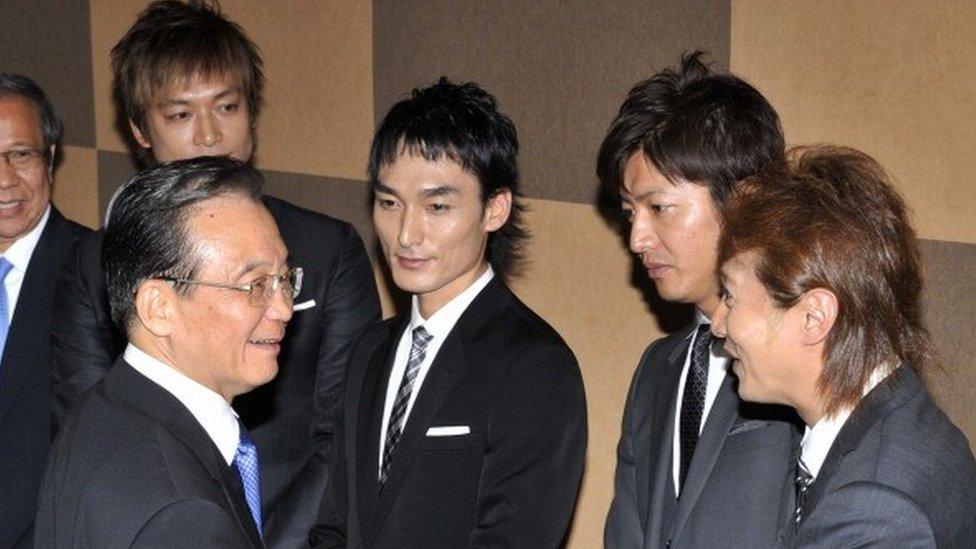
23,159
259,291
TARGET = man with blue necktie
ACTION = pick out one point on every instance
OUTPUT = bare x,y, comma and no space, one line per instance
198,278
34,241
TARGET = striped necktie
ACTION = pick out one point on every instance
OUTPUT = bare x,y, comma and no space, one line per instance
418,350
693,400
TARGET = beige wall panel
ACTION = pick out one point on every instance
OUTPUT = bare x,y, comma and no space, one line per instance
109,21
318,111
318,56
76,185
579,279
892,77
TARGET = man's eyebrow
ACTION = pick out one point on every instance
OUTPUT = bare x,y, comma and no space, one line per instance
626,196
442,190
381,188
255,264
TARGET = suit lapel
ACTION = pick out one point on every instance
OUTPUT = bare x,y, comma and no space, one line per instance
124,383
660,434
372,397
720,419
900,386
30,326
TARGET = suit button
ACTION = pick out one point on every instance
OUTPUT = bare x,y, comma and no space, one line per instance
667,544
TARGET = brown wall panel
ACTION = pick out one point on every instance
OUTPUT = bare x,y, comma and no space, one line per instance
559,69
950,307
47,40
580,279
76,185
894,78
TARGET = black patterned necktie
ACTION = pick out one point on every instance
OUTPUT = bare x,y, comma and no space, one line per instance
693,399
394,428
803,481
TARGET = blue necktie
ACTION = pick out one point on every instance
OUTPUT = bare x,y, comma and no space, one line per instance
246,464
5,267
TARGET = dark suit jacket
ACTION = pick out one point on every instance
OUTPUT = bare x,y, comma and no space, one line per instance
25,384
133,468
512,481
281,416
734,488
899,474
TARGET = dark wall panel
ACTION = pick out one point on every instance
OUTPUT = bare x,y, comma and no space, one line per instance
48,40
560,69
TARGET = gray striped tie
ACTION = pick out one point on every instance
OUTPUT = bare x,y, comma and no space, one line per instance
398,415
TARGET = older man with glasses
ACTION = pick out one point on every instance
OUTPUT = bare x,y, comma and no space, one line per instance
34,241
198,278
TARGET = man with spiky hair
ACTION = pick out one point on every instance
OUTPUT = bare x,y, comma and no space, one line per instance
696,468
188,83
465,420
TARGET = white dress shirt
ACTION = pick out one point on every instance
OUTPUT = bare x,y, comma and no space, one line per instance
439,325
818,439
718,365
211,411
19,255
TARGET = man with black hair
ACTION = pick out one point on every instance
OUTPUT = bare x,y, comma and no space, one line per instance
695,468
188,83
199,280
35,239
465,420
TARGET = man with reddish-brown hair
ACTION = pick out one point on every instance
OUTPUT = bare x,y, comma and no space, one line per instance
821,311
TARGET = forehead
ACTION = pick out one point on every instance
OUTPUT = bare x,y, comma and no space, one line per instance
180,85
740,268
232,231
19,120
411,173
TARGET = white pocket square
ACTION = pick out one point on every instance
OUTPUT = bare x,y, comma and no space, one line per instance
450,431
303,305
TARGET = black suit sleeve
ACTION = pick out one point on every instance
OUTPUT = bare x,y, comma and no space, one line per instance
351,304
190,524
534,458
84,343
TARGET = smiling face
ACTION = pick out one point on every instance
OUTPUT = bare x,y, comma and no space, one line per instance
25,191
219,338
764,341
433,227
674,229
198,117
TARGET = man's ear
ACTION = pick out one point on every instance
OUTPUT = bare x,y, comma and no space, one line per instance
497,209
137,135
155,305
819,309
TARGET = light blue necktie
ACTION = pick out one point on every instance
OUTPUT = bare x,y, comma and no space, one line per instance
5,267
246,464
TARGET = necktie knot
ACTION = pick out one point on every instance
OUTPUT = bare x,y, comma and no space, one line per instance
421,338
5,267
246,464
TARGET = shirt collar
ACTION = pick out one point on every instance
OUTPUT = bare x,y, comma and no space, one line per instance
440,323
19,253
211,411
818,440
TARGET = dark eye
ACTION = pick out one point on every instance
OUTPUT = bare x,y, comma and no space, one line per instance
438,207
178,116
229,107
385,203
626,215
